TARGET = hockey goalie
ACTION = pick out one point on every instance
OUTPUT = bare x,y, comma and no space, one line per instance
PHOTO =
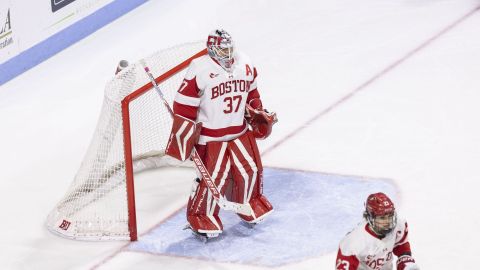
218,111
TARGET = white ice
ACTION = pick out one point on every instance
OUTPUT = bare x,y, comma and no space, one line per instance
392,86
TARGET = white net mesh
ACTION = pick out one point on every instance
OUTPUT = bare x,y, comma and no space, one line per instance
95,206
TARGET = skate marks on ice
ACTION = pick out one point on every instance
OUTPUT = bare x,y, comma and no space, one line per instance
313,211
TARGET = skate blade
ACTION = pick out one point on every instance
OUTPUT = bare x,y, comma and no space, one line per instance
204,237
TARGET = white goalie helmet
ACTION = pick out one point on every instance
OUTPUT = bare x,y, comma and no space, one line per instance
220,47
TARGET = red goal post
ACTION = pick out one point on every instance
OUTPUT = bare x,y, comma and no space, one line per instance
131,136
127,137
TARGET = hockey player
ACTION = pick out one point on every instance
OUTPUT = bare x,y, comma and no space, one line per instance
374,242
215,105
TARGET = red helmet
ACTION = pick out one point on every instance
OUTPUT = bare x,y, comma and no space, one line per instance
379,204
380,213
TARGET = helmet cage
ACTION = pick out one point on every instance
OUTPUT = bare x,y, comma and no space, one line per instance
220,48
382,225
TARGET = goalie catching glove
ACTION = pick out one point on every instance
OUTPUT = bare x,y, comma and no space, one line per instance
260,120
184,136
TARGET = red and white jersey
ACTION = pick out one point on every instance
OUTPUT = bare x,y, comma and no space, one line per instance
361,249
217,98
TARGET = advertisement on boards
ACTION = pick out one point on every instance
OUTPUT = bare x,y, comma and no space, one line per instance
58,4
26,23
32,31
8,46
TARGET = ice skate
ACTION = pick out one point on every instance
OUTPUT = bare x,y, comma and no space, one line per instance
202,236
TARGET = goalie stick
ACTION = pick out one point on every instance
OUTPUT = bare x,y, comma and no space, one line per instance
244,209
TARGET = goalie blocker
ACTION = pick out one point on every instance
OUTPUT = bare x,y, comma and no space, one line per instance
184,136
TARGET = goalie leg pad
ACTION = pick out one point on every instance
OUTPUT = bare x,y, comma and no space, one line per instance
211,225
202,209
261,209
247,174
183,137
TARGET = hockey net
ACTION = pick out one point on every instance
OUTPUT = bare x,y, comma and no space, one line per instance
131,136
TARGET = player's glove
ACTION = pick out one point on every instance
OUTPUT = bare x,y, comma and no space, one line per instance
406,262
261,121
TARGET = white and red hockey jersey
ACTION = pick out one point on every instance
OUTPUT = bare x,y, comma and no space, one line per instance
216,98
362,249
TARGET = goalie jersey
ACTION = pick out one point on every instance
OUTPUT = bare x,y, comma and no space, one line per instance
361,249
216,98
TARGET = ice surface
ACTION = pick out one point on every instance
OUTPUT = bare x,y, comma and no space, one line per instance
313,211
416,124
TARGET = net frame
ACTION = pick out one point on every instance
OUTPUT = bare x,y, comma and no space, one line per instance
84,195
128,142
